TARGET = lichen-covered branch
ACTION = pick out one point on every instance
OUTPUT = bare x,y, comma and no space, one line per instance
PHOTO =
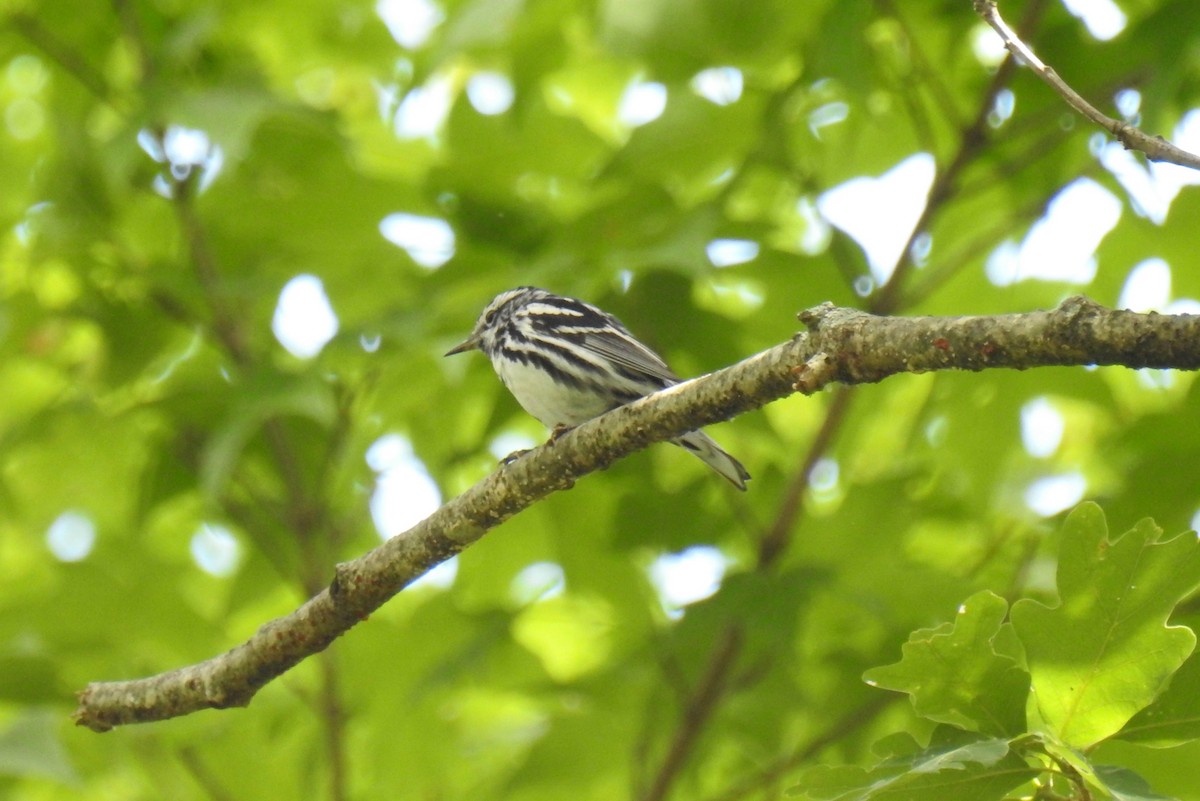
842,345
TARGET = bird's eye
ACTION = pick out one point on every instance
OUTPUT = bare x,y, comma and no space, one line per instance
489,317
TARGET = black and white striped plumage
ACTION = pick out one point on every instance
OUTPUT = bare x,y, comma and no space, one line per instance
565,361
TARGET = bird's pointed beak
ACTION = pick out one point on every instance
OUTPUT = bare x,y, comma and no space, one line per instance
471,343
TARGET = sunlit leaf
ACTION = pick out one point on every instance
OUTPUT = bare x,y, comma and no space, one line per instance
954,676
1105,651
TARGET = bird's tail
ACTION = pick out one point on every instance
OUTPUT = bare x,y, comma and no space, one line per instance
711,454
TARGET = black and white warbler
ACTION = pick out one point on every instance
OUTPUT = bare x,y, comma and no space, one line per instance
565,361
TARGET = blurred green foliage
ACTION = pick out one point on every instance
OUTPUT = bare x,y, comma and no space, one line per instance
149,417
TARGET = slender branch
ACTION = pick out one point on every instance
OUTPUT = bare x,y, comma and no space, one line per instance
226,325
862,348
132,28
303,512
699,707
809,377
202,775
774,542
970,143
1155,148
334,716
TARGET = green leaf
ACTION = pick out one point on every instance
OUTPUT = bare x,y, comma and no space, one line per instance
954,676
1123,784
1174,717
957,770
1098,781
1105,652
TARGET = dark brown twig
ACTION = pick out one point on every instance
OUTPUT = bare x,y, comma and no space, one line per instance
334,716
225,323
202,775
774,542
774,772
699,708
66,57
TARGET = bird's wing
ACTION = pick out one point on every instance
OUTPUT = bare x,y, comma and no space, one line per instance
625,351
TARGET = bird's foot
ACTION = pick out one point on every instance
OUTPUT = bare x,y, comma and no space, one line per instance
555,433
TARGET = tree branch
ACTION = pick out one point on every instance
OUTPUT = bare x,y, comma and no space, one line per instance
1155,148
857,347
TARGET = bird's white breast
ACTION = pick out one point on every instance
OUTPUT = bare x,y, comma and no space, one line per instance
550,402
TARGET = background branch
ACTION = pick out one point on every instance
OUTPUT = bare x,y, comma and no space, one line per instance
66,57
699,707
863,348
306,517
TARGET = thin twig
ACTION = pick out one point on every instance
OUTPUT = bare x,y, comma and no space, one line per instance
132,26
66,57
202,775
971,142
1155,148
929,74
775,541
696,713
772,773
225,321
334,716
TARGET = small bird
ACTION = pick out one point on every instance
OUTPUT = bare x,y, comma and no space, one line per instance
566,361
